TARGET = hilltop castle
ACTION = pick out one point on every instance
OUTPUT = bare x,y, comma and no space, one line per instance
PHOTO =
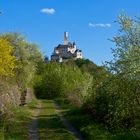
66,51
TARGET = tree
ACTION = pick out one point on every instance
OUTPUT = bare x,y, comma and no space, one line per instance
118,98
63,80
126,59
126,62
28,56
7,60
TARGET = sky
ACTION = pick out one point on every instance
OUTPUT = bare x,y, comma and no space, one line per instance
90,23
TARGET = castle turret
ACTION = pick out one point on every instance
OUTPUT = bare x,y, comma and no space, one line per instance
66,38
74,46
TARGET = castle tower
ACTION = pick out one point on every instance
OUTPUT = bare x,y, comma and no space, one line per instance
74,45
66,38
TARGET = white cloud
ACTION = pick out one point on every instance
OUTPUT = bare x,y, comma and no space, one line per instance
100,25
48,11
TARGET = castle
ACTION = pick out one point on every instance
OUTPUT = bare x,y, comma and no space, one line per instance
66,51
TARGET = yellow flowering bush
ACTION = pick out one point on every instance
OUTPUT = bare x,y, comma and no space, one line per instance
7,60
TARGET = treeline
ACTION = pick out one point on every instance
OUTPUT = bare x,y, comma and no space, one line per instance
63,80
18,64
111,94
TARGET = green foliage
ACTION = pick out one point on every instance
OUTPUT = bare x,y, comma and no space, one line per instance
126,54
20,59
89,127
116,100
117,103
63,80
126,66
27,55
14,124
98,73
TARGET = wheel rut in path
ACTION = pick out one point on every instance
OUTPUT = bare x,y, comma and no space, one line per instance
66,123
33,126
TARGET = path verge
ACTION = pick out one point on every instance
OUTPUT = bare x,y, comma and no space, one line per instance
66,123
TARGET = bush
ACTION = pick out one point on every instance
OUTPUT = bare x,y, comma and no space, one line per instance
63,80
117,103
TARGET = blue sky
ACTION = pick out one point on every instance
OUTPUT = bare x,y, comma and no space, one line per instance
89,22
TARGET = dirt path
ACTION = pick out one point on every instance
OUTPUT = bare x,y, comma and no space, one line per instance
66,123
33,127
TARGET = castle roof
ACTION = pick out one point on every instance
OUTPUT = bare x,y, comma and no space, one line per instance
78,50
69,45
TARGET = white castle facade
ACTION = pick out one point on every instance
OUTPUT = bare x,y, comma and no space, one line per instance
66,51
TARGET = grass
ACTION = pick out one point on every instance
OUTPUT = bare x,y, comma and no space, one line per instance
50,125
16,126
90,128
